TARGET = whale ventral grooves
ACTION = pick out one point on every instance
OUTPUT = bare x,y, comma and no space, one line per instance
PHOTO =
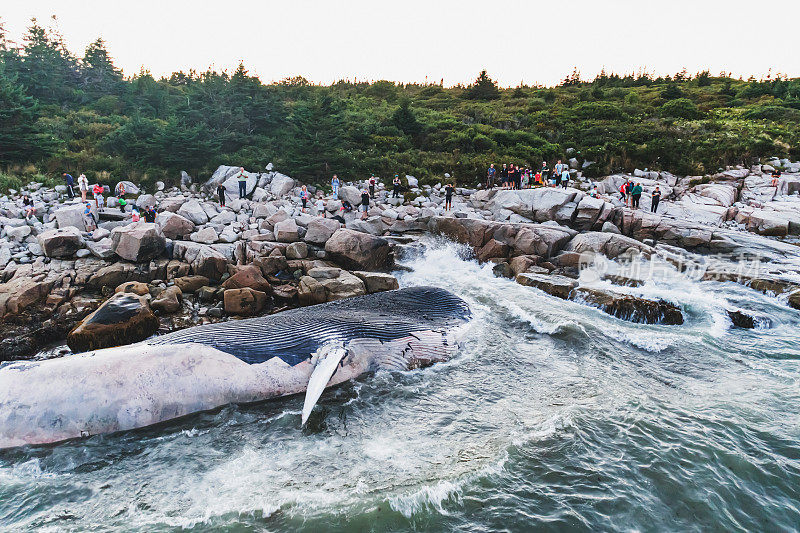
295,334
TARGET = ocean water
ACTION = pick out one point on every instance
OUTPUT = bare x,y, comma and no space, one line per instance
552,417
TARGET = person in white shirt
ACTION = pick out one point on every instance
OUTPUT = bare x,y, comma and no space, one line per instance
83,185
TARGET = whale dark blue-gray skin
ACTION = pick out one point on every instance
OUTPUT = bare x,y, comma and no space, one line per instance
238,361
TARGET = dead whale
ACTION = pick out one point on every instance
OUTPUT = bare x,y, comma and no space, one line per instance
243,361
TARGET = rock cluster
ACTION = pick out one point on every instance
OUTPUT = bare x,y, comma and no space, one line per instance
201,262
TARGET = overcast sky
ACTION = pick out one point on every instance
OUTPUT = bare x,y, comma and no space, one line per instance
413,40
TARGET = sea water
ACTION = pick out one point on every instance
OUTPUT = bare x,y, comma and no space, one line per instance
553,416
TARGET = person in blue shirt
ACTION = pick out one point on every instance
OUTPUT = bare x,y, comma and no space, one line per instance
90,221
335,186
70,182
490,173
564,178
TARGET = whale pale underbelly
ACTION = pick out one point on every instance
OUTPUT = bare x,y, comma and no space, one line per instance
209,366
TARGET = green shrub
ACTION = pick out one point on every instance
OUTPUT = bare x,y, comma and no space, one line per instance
680,108
772,112
599,111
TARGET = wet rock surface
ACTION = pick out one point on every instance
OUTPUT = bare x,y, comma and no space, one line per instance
124,318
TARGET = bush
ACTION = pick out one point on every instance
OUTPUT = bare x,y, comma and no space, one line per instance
599,111
772,112
680,108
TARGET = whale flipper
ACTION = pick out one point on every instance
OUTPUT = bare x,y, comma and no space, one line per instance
327,360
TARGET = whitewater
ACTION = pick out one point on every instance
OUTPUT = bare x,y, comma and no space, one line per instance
553,416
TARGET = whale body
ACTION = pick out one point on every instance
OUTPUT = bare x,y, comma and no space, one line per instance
239,361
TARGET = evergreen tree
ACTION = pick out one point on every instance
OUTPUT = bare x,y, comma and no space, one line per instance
484,88
405,119
98,73
21,139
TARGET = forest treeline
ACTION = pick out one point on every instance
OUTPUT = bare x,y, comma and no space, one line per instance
59,112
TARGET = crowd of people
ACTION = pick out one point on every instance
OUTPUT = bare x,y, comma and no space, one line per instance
512,176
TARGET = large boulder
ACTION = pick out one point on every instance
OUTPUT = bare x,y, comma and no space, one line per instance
286,231
174,226
281,185
338,284
320,230
610,245
559,286
194,211
767,223
207,235
130,187
209,263
248,276
138,242
189,284
18,233
228,177
72,215
244,302
539,204
350,194
377,281
630,308
61,242
123,319
359,251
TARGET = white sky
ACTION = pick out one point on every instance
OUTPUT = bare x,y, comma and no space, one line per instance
413,40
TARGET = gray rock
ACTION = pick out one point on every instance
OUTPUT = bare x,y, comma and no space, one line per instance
297,250
207,235
361,251
61,242
138,242
281,185
193,211
174,226
286,231
320,230
18,233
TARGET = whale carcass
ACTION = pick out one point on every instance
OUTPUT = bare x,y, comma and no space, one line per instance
205,367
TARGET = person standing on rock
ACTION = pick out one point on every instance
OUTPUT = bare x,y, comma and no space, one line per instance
448,197
636,195
335,186
545,171
396,186
135,215
490,176
150,214
70,182
372,182
559,167
564,176
304,198
655,199
97,192
221,194
320,205
364,203
83,185
242,178
504,176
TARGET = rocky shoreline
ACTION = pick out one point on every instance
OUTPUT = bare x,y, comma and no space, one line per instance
199,262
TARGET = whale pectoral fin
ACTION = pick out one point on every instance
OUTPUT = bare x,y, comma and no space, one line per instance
328,359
